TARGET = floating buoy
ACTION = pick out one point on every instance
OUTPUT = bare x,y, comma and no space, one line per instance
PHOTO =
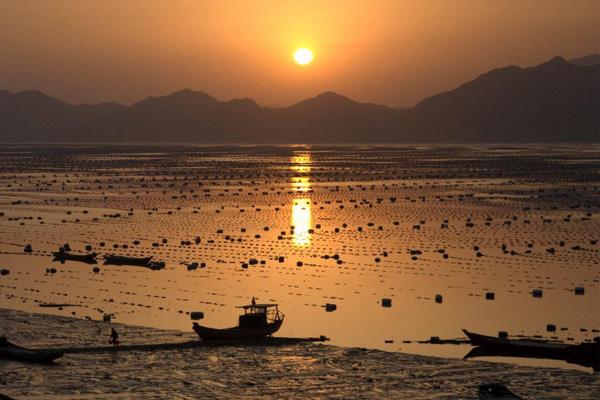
196,315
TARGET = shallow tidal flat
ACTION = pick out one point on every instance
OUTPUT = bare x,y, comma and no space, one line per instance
309,226
302,370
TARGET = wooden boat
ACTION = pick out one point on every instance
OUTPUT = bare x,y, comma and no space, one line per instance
517,344
497,391
584,354
85,258
112,259
258,320
14,352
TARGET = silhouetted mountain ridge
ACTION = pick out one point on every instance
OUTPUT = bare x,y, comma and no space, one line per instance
556,101
587,61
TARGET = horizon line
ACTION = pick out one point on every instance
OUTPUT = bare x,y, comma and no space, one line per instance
397,108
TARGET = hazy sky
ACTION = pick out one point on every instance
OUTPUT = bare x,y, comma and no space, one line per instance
391,52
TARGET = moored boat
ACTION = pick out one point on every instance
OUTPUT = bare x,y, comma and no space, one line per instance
14,352
64,256
258,320
584,354
505,343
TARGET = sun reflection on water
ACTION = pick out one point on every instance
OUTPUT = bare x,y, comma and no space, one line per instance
301,206
301,184
301,162
301,220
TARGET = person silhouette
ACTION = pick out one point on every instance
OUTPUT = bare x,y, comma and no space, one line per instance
114,337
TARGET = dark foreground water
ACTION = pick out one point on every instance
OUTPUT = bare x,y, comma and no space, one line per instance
299,371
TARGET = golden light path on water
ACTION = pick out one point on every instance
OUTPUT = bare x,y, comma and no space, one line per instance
300,162
301,220
301,206
301,184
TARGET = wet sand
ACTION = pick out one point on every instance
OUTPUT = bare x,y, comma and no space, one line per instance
291,371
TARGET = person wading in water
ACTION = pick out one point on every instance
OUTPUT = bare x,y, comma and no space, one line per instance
114,338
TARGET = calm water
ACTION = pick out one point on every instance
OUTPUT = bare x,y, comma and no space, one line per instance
354,225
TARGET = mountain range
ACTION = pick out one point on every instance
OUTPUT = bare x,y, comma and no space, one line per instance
556,101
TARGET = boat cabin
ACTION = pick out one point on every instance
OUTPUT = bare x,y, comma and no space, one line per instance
259,315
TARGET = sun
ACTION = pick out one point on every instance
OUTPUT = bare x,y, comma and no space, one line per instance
303,56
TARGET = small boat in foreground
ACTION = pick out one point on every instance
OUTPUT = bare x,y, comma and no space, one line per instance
63,256
14,352
112,259
258,321
497,391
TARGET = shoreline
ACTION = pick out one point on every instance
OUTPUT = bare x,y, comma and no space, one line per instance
194,342
313,370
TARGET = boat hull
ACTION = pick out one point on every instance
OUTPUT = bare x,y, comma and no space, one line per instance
85,258
518,344
14,352
584,354
206,333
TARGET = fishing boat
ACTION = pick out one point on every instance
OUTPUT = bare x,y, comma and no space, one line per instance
258,320
497,391
63,256
112,259
14,352
517,344
584,354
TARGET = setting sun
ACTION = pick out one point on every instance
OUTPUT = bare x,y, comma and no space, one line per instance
303,56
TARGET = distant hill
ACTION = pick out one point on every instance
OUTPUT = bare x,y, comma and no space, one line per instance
587,61
552,102
557,101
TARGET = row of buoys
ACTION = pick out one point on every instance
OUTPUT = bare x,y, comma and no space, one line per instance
364,246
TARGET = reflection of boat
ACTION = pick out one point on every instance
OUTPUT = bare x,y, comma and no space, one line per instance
125,260
584,354
498,391
14,352
85,258
258,320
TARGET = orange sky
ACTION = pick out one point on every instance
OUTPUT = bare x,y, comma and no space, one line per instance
391,52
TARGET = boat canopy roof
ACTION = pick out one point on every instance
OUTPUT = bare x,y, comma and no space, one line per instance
257,306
